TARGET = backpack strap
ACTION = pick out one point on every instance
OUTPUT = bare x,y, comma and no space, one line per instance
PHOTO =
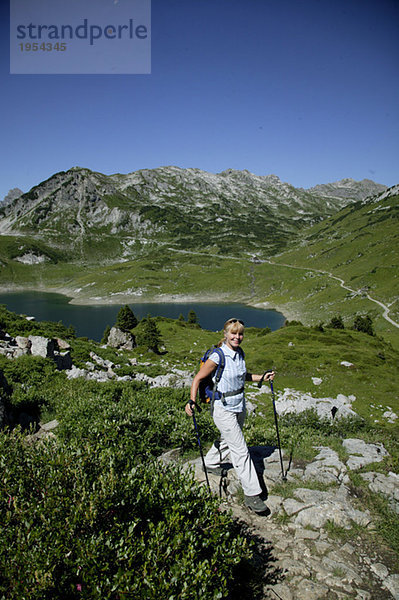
218,374
221,365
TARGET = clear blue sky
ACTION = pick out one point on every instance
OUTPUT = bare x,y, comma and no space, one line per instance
305,89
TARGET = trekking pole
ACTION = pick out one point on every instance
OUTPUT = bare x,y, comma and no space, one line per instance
284,478
275,421
192,406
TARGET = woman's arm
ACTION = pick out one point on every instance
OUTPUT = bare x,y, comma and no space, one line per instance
206,370
253,377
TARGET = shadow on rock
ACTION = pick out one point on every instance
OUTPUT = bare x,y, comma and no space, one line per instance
260,456
251,577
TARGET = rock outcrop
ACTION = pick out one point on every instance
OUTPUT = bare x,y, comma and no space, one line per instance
36,345
120,339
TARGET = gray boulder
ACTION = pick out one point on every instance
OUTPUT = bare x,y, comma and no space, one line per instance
326,467
62,345
41,346
294,401
23,343
102,362
388,485
75,372
120,339
320,507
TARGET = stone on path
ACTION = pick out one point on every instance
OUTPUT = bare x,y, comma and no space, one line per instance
309,590
391,583
334,506
326,467
388,485
362,454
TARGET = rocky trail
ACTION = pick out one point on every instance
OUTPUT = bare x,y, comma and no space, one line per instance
317,542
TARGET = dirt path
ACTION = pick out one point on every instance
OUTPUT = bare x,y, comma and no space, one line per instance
343,285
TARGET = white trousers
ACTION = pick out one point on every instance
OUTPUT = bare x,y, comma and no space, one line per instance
232,442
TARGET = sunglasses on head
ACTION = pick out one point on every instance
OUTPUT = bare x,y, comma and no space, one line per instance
235,321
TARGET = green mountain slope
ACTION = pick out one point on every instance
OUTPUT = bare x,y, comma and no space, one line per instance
358,245
99,217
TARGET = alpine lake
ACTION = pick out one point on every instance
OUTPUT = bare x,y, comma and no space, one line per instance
91,320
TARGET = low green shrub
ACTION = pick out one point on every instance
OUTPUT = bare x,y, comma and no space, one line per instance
15,324
144,421
87,521
29,379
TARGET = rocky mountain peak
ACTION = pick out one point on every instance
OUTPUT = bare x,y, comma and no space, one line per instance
348,189
12,195
238,210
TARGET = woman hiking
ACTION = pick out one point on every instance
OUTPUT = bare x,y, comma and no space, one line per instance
229,412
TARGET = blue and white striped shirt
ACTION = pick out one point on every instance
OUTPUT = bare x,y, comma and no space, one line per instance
233,378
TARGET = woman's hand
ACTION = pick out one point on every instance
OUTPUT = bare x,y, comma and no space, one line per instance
267,376
270,376
189,408
206,370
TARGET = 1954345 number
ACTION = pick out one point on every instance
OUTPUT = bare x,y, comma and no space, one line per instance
43,47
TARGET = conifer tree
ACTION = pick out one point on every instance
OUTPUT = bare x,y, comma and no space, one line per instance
125,320
192,317
336,323
149,334
364,324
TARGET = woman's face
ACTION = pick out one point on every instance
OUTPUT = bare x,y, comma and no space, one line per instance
233,340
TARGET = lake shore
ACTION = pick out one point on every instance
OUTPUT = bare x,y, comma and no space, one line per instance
116,299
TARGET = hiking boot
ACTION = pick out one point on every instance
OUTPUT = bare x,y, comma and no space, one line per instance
256,504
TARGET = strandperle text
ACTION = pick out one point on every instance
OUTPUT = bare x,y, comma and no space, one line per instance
82,32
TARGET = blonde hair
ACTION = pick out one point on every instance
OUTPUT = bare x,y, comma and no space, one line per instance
232,326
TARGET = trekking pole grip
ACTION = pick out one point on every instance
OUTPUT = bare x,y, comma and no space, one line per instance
194,406
263,376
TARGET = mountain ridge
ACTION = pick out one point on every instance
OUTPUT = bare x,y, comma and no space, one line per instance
176,206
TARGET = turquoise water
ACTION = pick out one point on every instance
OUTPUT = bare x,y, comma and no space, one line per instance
91,321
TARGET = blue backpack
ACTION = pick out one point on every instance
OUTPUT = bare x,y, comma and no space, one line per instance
207,389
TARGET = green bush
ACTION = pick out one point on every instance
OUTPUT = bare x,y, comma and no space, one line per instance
106,333
336,323
28,380
88,521
141,420
364,324
292,323
18,325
